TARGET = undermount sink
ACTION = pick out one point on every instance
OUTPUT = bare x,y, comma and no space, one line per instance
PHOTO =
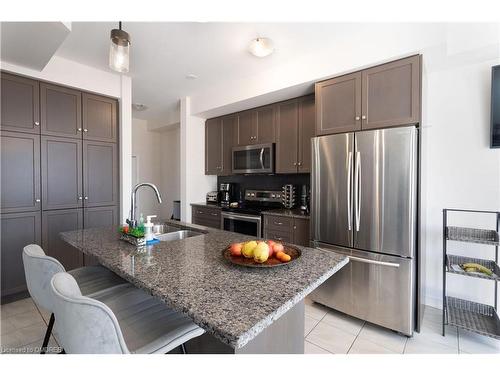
177,235
159,229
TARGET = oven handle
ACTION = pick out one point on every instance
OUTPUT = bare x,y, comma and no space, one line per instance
254,219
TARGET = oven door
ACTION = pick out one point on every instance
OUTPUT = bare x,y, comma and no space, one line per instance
244,224
253,159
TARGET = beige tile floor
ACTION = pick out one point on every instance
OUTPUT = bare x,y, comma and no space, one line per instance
23,327
330,332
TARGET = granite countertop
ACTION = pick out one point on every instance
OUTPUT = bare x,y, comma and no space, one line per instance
232,303
295,212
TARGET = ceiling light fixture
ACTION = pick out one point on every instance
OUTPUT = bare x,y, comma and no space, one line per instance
119,50
191,76
261,47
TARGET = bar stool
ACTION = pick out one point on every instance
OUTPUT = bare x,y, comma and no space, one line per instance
123,319
39,269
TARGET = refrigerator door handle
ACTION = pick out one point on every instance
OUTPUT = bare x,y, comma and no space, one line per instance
357,189
349,201
364,260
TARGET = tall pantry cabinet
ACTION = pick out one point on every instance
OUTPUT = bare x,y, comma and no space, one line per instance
59,171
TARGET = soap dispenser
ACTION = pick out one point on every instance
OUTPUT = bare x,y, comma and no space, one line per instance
148,228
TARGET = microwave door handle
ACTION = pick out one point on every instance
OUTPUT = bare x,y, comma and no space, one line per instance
262,157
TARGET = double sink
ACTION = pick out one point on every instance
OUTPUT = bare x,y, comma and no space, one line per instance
165,232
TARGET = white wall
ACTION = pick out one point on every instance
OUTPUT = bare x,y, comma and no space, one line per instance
194,184
73,74
146,147
170,168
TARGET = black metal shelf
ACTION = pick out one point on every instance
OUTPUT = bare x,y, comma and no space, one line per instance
468,315
473,316
482,236
458,260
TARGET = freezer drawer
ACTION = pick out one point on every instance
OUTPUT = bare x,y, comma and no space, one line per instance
373,287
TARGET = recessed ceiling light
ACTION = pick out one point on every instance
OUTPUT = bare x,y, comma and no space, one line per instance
139,107
261,47
191,76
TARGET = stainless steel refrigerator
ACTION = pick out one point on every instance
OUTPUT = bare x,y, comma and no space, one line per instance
364,205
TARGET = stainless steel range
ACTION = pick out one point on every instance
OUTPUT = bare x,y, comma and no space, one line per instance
246,218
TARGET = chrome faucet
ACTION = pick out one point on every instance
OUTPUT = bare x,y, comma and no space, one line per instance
132,222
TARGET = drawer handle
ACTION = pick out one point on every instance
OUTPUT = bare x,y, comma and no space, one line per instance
278,238
377,262
199,212
278,223
213,214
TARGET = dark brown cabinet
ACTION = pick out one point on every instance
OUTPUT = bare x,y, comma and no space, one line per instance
257,126
61,173
294,130
288,229
213,146
55,222
100,174
391,94
20,163
99,118
379,97
61,111
307,131
338,104
220,137
17,231
98,217
287,136
19,104
206,216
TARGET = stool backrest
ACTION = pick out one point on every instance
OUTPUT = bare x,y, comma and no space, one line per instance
39,269
84,325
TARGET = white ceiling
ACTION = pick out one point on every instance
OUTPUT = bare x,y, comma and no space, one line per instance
162,54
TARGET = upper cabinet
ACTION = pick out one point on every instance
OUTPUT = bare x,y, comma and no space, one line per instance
294,129
391,94
338,104
220,137
99,118
61,111
19,104
257,126
213,146
382,96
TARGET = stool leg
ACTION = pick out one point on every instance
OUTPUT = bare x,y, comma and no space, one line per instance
183,348
43,350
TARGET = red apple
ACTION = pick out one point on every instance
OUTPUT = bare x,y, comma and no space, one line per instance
277,247
270,244
235,249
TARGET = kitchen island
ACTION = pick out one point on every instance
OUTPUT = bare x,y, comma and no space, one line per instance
243,310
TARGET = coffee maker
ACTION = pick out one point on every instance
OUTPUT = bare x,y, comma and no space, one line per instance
226,193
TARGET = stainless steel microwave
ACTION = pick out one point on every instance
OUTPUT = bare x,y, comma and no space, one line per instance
253,159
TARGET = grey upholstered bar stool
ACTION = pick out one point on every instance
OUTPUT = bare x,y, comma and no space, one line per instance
39,269
123,319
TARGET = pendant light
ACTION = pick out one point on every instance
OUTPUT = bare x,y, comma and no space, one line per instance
119,50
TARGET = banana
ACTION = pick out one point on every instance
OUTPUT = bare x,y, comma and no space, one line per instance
478,267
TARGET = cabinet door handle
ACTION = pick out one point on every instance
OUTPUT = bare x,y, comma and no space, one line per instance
37,123
37,200
85,130
80,198
295,164
357,118
79,129
86,198
363,117
299,163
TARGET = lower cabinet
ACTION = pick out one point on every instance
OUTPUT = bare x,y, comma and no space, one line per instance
287,229
206,216
55,222
17,231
